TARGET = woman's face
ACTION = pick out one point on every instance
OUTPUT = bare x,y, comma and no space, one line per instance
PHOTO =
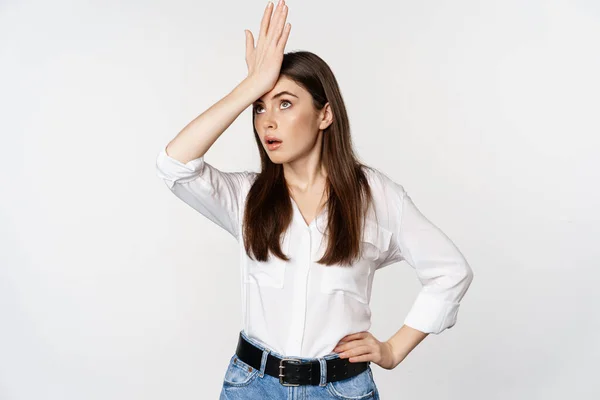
287,113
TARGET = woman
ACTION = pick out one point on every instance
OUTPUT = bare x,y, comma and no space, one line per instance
329,223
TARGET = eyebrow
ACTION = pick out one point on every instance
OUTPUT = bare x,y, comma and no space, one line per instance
277,95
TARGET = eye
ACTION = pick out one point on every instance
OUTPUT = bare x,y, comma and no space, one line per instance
257,107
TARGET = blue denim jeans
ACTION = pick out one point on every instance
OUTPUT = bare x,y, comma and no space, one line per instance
242,381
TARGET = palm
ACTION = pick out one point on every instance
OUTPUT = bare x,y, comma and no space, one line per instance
264,60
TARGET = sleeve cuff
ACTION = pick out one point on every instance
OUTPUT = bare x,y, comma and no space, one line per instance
431,315
172,170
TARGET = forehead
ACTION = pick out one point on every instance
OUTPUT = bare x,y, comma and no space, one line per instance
284,84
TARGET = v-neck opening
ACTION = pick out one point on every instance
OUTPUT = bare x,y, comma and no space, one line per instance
314,220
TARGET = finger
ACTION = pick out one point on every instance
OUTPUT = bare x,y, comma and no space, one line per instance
274,20
355,352
284,37
249,42
280,20
361,358
357,335
356,343
265,22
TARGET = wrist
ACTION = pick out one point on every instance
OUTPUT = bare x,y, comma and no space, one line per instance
249,87
396,355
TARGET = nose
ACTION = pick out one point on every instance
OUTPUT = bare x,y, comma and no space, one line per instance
268,121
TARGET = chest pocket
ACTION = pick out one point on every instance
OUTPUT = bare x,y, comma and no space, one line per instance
269,273
353,280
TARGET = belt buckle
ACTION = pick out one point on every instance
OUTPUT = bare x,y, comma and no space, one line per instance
281,374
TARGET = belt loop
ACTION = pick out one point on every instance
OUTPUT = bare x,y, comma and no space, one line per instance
323,362
263,362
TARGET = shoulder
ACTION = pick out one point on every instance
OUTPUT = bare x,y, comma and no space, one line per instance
251,176
387,199
249,179
382,184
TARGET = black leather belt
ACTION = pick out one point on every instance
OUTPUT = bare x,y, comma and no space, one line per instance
292,371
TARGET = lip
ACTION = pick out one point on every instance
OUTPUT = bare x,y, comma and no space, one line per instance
274,146
270,137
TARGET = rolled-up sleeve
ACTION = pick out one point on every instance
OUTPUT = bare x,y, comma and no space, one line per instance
216,194
441,268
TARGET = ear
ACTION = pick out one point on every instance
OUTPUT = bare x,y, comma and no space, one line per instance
326,117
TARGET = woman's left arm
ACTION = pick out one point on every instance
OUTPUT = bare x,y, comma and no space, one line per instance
441,268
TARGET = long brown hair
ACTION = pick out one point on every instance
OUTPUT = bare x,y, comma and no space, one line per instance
268,209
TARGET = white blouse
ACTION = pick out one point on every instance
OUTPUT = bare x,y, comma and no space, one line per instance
300,308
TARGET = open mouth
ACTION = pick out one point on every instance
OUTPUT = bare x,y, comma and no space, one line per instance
273,144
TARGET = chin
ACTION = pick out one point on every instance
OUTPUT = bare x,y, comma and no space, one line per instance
279,158
277,161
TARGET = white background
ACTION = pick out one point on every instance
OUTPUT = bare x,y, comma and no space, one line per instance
485,111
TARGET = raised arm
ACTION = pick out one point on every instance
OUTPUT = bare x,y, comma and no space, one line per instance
264,64
216,194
